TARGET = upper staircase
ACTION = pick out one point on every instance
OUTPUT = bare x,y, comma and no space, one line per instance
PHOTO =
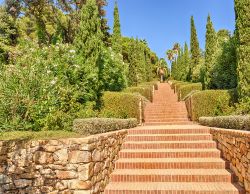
170,155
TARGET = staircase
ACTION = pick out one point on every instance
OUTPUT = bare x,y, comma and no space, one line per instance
170,155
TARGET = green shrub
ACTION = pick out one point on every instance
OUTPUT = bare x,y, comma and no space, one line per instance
184,90
146,91
121,105
179,85
93,126
173,83
209,103
152,83
229,122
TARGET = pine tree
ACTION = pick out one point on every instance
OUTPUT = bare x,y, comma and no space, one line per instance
89,49
116,37
195,49
242,8
210,53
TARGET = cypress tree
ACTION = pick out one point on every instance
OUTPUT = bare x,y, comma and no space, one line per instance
194,46
89,48
210,53
242,8
186,62
116,37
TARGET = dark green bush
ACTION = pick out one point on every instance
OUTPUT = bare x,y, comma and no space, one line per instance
209,103
184,90
93,126
228,122
122,105
146,91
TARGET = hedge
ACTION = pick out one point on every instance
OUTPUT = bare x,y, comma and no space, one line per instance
173,83
152,83
228,122
179,85
209,103
146,91
184,90
93,126
122,105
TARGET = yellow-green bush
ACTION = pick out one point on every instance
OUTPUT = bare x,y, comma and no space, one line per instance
121,105
93,126
152,83
241,122
179,85
209,103
184,90
146,91
173,83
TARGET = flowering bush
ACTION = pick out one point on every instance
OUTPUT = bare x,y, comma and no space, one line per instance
42,89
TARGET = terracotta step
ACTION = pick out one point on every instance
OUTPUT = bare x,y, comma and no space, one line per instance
171,163
168,145
168,123
165,120
172,188
171,175
169,153
169,137
168,131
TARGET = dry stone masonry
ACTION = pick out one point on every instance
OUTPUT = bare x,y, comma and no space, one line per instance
235,147
65,166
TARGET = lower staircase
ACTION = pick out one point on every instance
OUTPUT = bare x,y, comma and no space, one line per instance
170,155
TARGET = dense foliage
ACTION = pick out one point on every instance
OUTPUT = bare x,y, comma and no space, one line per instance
225,62
58,58
242,8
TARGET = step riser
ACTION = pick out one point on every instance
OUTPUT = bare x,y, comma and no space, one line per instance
165,120
169,138
155,191
170,155
171,165
167,123
169,131
169,145
169,178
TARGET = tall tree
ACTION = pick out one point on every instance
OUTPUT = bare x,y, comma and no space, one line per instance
186,62
8,34
116,37
242,8
194,47
89,49
210,53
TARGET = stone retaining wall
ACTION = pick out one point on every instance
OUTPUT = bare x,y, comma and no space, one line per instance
235,147
76,165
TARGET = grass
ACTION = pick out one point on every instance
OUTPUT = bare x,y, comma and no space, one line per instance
40,135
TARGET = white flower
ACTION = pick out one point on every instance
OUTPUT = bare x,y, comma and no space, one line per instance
48,71
53,82
72,51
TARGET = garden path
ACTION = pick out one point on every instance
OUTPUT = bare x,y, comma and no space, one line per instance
170,155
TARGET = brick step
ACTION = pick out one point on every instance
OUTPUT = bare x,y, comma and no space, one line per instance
162,112
167,131
171,175
171,163
168,145
166,120
169,153
163,116
169,137
168,123
172,188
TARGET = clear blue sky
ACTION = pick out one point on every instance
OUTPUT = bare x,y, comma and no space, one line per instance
164,22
